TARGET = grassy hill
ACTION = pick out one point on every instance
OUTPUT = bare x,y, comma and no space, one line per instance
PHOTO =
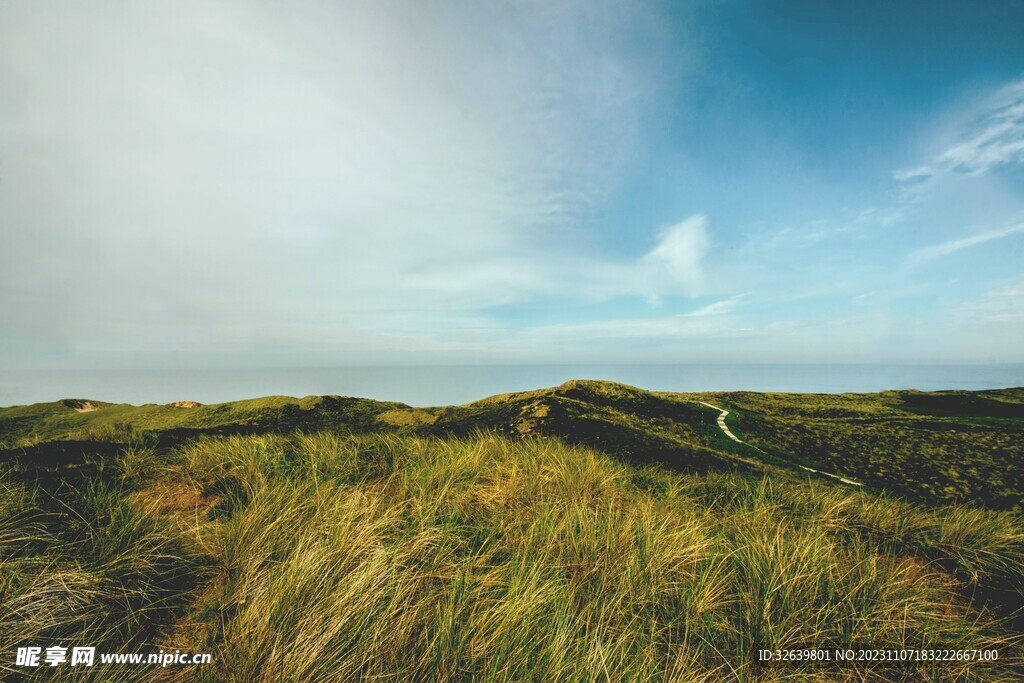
590,531
952,446
937,447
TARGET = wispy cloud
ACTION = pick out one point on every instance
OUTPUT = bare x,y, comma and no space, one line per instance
997,138
1013,289
720,307
952,246
1001,306
225,172
673,266
994,138
917,173
712,320
679,254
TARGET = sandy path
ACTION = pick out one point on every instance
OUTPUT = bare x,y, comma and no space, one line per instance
721,423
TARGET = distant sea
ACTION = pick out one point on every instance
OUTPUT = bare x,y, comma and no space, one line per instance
444,385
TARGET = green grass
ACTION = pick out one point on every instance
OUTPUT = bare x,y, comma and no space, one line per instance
588,532
941,447
333,557
22,426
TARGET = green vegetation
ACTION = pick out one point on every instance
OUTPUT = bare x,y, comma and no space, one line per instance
945,447
82,420
588,532
939,447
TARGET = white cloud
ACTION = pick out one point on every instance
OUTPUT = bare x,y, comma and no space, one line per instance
952,246
713,320
211,174
994,138
995,311
916,174
678,256
1012,289
720,307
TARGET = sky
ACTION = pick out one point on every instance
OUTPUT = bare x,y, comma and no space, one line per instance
245,184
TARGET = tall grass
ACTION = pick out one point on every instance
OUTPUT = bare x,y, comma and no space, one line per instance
334,558
400,558
81,565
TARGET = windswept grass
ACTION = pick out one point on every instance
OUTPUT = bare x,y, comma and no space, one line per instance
940,447
322,557
83,565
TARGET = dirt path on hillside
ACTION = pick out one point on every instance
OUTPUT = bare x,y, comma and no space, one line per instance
725,429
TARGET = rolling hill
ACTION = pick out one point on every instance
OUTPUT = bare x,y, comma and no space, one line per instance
590,531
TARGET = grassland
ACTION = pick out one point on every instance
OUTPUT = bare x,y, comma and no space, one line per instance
937,447
588,532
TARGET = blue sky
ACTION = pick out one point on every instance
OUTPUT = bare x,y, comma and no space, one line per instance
229,183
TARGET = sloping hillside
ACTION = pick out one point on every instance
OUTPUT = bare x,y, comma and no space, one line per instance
949,447
591,531
952,446
624,421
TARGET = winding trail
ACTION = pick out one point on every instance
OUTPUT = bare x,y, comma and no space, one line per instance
721,421
725,429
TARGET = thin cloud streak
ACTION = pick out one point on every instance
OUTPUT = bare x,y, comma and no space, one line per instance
713,320
951,247
995,138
